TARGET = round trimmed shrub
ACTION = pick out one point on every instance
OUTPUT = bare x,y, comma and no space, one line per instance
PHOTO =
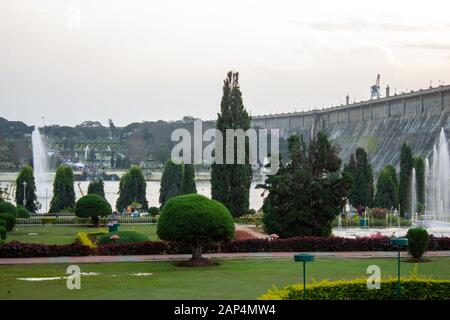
92,206
195,220
417,242
2,233
2,223
8,207
153,211
22,212
124,237
10,220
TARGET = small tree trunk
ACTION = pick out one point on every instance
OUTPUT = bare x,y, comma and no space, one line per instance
95,221
197,252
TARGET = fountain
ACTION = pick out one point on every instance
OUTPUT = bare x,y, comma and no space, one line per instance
86,152
437,190
413,193
40,165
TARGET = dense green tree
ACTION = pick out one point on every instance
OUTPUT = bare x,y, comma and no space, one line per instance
406,165
196,221
361,194
171,182
419,165
387,189
189,185
97,186
63,190
230,183
307,193
132,189
31,203
92,206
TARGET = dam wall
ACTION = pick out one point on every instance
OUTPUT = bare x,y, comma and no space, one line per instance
380,125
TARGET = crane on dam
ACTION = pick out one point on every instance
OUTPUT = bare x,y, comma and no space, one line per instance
375,89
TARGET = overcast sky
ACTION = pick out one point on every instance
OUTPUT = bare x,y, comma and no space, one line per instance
133,60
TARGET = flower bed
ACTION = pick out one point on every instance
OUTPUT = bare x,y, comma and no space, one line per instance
299,244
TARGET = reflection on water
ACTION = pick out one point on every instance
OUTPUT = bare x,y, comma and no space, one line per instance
112,189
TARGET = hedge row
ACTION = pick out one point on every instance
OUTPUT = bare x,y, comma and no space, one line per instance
16,249
411,289
305,244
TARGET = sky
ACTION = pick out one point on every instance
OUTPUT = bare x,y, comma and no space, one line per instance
132,60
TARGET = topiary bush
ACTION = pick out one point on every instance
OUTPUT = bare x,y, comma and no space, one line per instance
2,232
10,220
153,211
417,242
124,237
23,213
356,289
7,207
92,206
196,221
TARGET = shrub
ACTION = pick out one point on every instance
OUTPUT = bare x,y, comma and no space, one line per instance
2,223
411,288
92,206
195,220
10,220
417,242
16,249
125,237
23,213
7,207
153,211
2,232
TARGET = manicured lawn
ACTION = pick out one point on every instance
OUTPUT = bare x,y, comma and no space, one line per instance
232,279
67,234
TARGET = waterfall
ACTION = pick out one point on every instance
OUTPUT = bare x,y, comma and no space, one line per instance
40,165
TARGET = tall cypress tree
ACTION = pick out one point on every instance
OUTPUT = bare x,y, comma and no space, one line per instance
26,175
230,183
419,165
387,188
406,165
189,185
361,194
63,190
132,188
97,186
171,182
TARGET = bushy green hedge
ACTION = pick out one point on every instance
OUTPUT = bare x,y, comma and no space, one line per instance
411,289
417,242
23,213
153,211
7,207
2,232
10,220
125,237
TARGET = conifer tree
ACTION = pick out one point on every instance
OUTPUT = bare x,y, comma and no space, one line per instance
387,189
189,185
406,165
29,188
63,190
97,186
230,183
132,189
171,182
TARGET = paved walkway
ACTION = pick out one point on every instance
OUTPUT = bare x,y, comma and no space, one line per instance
178,257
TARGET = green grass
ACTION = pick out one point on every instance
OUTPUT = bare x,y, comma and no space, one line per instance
67,234
232,279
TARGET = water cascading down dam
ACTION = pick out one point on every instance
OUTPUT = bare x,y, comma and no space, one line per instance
380,125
